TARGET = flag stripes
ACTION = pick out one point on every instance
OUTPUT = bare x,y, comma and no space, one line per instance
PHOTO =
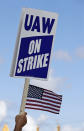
42,109
52,101
41,102
55,98
52,93
39,105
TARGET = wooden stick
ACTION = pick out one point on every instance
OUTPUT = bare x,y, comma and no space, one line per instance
25,92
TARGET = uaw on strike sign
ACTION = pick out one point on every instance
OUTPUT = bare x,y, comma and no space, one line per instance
34,44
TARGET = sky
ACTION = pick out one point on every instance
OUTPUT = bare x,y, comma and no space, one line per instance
66,75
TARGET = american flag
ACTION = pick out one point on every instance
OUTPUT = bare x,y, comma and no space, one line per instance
43,99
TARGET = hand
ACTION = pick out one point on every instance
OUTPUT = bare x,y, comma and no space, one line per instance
20,120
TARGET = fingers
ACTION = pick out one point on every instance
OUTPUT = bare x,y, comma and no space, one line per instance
25,113
21,119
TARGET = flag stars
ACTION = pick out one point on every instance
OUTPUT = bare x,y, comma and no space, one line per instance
35,92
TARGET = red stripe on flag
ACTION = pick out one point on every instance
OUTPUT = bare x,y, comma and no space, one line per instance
42,110
53,94
54,105
45,90
51,101
43,106
51,97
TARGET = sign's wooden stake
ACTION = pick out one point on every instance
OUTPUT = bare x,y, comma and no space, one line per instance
25,91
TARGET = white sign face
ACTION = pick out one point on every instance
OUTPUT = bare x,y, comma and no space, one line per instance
34,44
